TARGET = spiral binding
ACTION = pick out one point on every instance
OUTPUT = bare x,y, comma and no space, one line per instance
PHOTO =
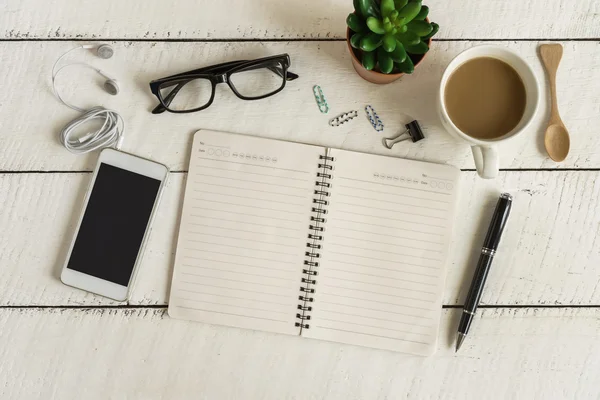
317,220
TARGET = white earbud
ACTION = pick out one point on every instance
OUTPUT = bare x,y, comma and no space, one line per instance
105,51
111,85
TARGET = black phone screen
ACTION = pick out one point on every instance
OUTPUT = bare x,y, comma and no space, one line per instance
113,226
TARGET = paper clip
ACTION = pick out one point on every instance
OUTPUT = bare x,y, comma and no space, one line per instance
320,98
343,118
374,118
413,131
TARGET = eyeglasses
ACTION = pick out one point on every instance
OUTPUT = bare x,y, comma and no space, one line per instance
249,80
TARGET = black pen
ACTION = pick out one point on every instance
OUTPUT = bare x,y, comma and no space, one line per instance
490,245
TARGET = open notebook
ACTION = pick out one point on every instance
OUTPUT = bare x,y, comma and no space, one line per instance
312,241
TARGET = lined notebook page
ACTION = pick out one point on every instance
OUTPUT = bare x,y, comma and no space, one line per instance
381,276
243,232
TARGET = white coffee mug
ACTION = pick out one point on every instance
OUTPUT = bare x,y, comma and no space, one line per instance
484,151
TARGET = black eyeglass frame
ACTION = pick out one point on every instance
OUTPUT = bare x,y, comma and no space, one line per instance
221,73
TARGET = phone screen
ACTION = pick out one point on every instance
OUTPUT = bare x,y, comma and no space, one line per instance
113,225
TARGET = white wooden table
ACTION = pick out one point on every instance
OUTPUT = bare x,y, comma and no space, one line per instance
538,333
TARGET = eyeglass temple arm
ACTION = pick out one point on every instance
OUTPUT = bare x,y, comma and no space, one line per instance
290,76
228,65
211,69
278,70
159,109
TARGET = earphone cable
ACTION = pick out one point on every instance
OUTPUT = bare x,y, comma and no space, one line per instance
110,133
55,89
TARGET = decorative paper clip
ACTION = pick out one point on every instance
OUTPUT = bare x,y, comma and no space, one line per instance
413,131
374,118
320,98
343,118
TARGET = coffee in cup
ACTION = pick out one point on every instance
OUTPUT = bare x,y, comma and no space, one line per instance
488,94
485,98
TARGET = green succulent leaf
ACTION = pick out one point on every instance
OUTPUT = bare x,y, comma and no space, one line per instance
367,8
411,10
386,64
406,66
370,42
403,29
387,6
435,27
421,28
408,38
419,48
399,54
387,26
422,14
368,60
375,25
357,9
400,21
399,4
355,40
356,24
388,43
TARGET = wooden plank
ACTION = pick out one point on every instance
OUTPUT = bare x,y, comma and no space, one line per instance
154,19
99,354
549,254
31,116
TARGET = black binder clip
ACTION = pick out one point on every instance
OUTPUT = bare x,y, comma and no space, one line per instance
413,131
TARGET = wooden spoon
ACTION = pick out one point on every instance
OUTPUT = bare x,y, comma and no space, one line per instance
556,139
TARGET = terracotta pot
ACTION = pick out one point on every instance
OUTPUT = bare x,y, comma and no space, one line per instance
376,76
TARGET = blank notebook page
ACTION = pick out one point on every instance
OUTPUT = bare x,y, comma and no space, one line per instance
381,274
243,232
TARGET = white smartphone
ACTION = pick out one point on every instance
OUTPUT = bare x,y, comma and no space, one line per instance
115,223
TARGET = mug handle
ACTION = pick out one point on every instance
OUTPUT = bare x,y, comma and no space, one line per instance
486,161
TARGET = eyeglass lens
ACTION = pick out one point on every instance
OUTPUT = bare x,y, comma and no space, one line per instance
186,94
258,80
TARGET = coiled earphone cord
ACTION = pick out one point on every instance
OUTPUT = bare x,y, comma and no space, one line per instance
109,134
111,131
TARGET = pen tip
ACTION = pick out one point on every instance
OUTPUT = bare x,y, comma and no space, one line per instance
459,341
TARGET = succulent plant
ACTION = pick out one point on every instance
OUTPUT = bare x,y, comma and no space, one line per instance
388,31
